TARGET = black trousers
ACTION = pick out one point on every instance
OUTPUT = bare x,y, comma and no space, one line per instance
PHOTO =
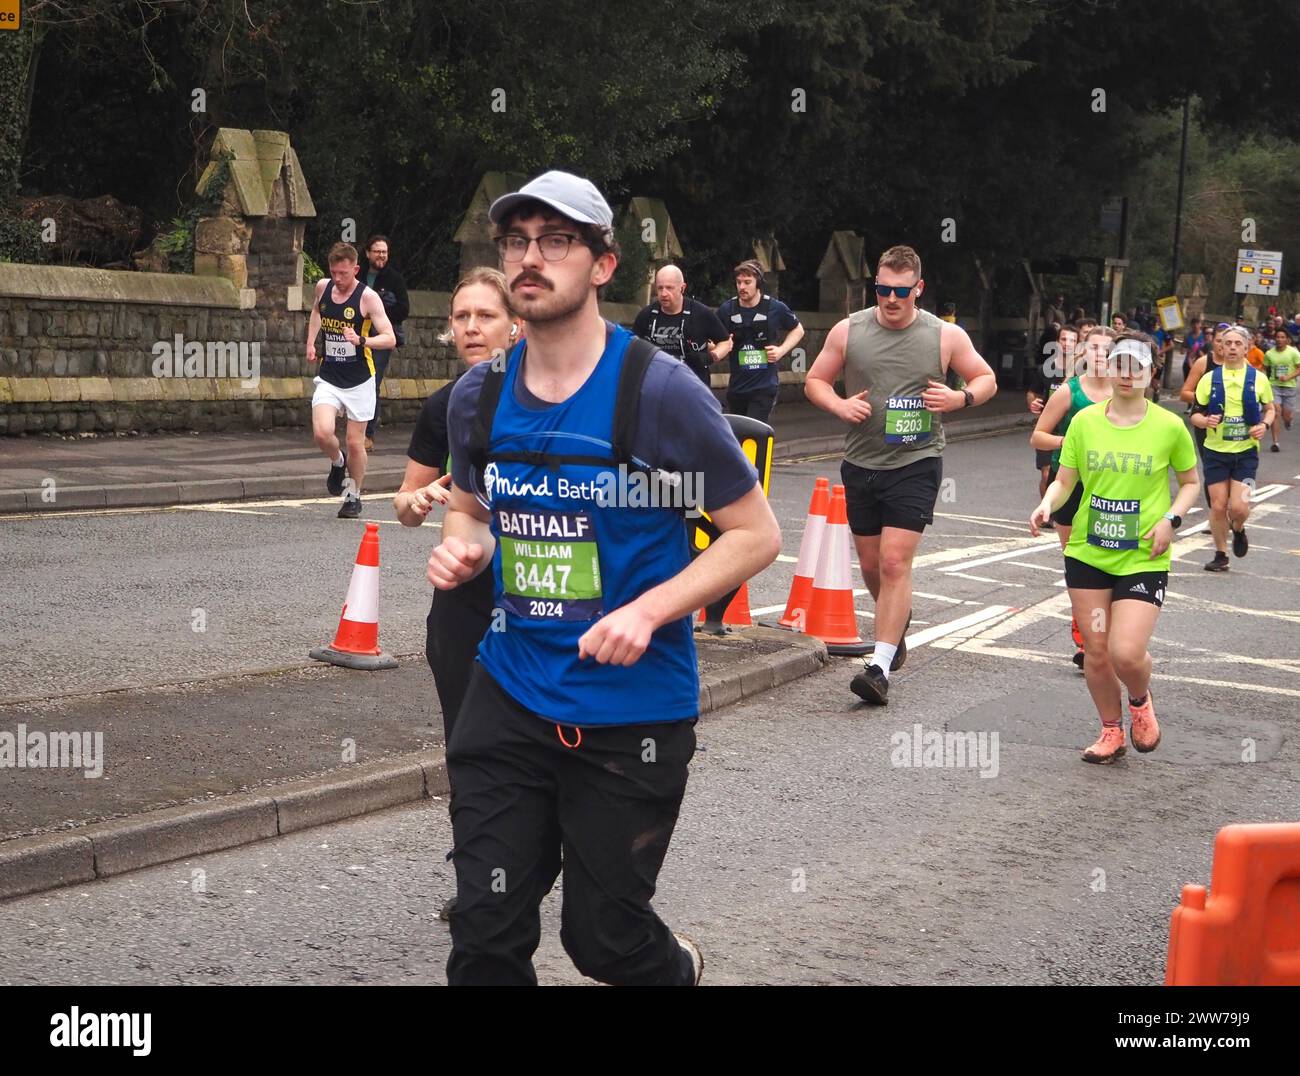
519,798
759,405
458,619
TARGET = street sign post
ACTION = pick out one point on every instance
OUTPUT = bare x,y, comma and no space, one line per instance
1259,272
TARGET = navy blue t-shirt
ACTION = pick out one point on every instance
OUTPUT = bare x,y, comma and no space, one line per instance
679,428
752,328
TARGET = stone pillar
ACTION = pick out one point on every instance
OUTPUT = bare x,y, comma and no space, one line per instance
255,239
842,275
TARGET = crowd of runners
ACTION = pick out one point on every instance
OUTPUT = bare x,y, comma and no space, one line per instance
560,634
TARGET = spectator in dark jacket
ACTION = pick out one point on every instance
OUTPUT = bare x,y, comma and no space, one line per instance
375,272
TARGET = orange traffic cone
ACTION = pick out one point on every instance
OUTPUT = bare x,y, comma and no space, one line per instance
356,646
830,610
796,606
736,614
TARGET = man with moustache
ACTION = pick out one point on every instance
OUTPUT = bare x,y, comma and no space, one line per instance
578,723
894,358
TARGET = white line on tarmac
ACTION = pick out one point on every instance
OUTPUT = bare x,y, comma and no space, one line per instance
1220,607
982,646
1036,567
1259,495
962,623
1050,542
985,579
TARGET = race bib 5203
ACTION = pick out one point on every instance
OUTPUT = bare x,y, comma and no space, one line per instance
907,422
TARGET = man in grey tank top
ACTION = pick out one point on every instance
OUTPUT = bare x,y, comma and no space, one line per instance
894,358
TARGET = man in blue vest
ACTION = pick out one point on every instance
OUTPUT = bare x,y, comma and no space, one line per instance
1235,408
763,332
578,724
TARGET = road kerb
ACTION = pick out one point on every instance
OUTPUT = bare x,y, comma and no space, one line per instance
104,849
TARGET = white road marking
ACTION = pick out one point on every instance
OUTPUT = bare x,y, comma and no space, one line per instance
1259,495
1221,607
1038,544
222,508
984,579
1035,567
961,624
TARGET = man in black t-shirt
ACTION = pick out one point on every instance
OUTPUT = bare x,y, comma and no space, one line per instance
684,328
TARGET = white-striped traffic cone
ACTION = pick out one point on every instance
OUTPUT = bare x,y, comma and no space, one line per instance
831,617
796,606
356,645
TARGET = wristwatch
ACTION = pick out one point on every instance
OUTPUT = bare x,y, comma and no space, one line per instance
970,400
1174,521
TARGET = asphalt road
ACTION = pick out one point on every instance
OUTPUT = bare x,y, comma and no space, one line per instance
807,851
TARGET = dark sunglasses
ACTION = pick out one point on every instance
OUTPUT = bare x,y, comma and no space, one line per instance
900,291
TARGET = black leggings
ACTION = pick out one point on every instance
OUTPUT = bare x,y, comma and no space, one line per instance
458,620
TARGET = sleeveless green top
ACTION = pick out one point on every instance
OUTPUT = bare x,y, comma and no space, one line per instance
1078,401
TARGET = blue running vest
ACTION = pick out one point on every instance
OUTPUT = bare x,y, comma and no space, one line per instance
568,552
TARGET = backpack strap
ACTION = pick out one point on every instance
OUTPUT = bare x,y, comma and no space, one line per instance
480,436
1217,395
1249,400
627,406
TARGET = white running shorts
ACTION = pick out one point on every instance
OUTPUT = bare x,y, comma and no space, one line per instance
357,403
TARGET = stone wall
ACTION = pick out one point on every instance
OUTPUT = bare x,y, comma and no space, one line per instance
77,354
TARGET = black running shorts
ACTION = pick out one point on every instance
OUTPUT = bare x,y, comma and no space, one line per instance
1143,587
902,498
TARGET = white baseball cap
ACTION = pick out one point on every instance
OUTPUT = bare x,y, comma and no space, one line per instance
570,195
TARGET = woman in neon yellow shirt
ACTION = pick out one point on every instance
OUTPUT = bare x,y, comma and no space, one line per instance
1282,361
1117,558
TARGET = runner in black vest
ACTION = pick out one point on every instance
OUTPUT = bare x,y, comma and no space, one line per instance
352,319
682,327
482,327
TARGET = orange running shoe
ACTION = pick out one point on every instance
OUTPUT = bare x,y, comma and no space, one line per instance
1075,633
1143,730
1109,746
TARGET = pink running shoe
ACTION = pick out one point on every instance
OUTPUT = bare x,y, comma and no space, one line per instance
1109,746
1143,728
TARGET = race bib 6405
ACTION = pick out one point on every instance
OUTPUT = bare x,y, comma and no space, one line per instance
1113,524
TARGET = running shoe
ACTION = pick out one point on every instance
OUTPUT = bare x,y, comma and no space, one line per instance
871,685
370,443
1219,563
1078,659
696,957
448,909
1240,543
1276,448
1109,746
1075,633
900,655
351,508
1144,730
334,483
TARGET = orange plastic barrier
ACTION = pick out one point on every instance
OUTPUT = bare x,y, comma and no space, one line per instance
1246,931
